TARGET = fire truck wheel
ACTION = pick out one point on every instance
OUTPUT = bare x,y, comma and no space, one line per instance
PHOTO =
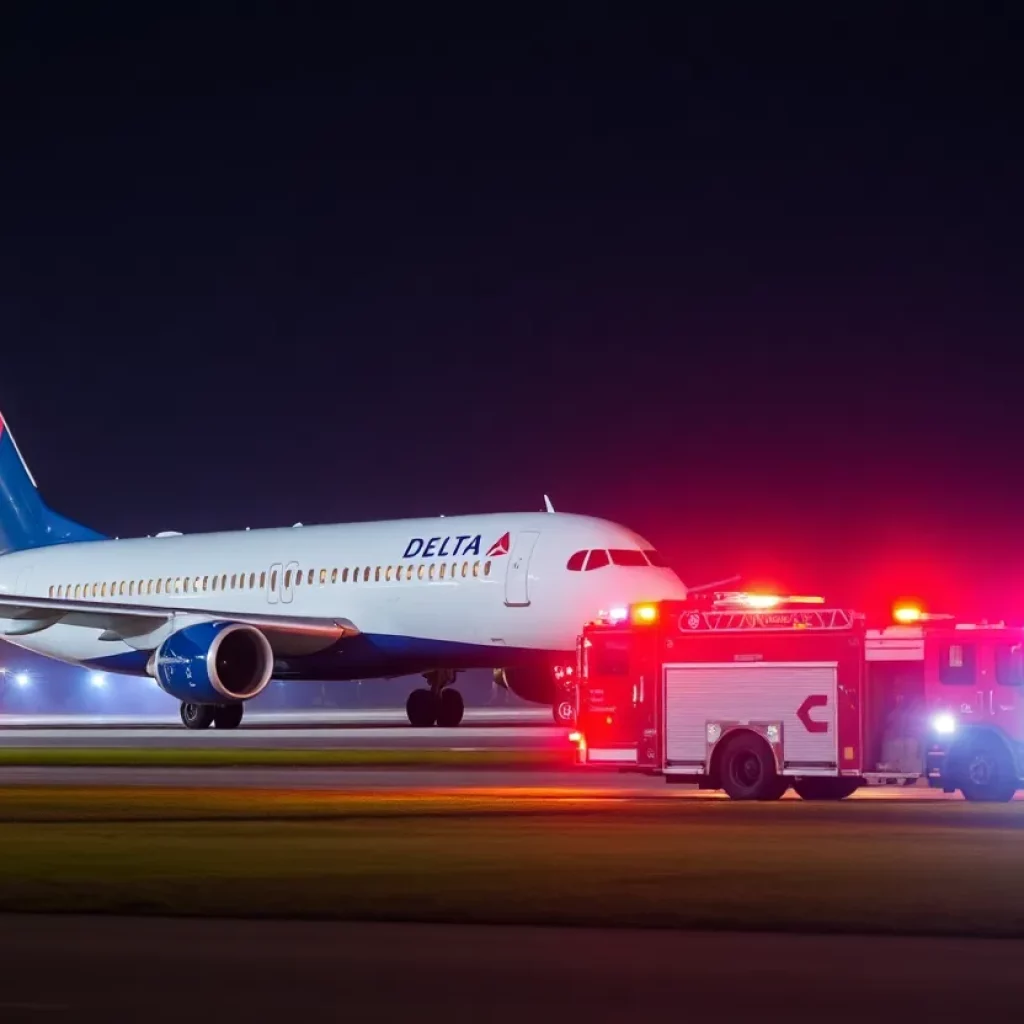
564,713
985,774
825,789
747,770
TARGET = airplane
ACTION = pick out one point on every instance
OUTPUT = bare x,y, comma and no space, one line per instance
213,617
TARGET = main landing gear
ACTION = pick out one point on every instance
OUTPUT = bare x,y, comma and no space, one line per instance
202,716
440,705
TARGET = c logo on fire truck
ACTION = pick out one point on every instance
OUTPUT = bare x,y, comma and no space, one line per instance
816,700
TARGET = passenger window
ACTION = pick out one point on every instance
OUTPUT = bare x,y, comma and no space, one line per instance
956,664
366,575
214,587
287,579
131,589
234,580
487,568
398,573
575,563
51,592
597,560
419,571
185,584
323,576
431,571
376,575
465,569
273,580
1010,664
444,568
476,568
334,575
387,574
103,590
298,577
78,590
627,556
344,575
158,582
252,581
263,581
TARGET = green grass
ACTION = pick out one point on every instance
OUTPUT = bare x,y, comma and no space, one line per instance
519,857
213,757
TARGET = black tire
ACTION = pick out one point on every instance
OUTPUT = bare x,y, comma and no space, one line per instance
563,712
747,770
825,789
984,772
421,707
450,709
228,717
196,716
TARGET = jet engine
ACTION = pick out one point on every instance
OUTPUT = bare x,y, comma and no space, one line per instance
213,663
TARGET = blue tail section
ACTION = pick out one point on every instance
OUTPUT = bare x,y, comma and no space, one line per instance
25,521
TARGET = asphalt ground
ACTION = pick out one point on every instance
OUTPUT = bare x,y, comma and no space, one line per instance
73,968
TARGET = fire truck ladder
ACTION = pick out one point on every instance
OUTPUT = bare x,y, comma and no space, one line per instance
737,621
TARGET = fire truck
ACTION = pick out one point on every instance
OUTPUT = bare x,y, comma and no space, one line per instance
753,694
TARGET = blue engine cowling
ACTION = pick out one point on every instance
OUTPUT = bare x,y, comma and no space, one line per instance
214,663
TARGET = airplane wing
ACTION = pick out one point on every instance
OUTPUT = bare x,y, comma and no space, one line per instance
145,627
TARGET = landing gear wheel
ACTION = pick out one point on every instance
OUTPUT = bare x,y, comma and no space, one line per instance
985,774
825,789
564,713
422,707
748,770
197,716
450,709
228,717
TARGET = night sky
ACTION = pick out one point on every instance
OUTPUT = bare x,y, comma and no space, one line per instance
750,284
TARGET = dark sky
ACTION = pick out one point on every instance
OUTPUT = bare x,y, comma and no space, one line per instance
748,283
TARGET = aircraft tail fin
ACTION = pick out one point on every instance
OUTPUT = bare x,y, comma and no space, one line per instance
25,519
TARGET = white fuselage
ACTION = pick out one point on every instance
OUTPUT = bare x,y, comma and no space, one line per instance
417,599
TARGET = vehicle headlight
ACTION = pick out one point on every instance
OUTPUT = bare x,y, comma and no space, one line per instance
944,723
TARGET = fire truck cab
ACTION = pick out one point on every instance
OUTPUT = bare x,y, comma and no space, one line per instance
755,693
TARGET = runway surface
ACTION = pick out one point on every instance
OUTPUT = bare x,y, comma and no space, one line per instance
116,969
505,728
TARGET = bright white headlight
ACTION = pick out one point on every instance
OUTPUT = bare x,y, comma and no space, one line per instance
944,723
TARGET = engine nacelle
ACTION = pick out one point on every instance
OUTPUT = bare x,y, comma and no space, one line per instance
214,663
540,684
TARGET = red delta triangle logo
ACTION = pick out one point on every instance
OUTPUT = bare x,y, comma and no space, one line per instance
499,547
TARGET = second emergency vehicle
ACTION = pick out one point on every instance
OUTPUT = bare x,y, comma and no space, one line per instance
754,693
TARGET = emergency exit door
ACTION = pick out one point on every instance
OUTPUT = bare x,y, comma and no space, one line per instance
517,578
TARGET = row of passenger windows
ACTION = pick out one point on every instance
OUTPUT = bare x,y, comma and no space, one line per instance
290,578
617,556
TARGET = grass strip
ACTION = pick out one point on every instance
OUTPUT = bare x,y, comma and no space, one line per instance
515,858
225,757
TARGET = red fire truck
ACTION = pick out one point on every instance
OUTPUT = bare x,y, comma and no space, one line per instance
753,693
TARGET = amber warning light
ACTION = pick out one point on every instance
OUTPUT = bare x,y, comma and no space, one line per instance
645,614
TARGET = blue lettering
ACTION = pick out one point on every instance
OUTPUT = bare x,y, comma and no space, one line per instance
431,547
473,547
443,549
414,548
458,542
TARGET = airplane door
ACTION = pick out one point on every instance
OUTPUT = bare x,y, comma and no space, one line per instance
274,582
517,591
286,584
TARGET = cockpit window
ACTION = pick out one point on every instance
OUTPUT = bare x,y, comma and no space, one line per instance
627,556
655,559
575,563
597,560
